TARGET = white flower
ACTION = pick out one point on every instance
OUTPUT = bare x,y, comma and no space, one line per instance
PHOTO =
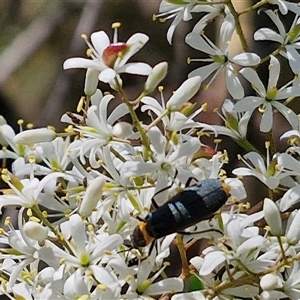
143,285
178,11
220,57
285,6
24,251
236,124
182,11
174,120
110,58
30,192
99,128
269,171
55,155
211,12
288,40
87,252
269,97
284,284
241,244
169,158
241,240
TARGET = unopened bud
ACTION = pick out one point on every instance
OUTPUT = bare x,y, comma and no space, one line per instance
122,130
91,81
35,231
158,73
270,282
33,136
92,196
184,93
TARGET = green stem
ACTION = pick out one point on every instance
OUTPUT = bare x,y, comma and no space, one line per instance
274,53
45,221
253,7
238,26
272,144
246,145
87,103
281,249
248,279
158,119
289,100
182,253
136,122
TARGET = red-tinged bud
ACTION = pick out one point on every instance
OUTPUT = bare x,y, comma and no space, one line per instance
111,53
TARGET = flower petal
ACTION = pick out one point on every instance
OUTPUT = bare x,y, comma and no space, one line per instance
211,261
100,41
291,197
198,42
205,71
135,68
233,83
255,81
263,34
83,63
168,285
246,59
107,75
267,118
274,71
293,58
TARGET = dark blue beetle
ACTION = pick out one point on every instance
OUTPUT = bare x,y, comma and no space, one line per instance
192,205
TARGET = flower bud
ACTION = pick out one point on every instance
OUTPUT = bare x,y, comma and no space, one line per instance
158,73
122,130
270,282
184,93
272,217
32,136
91,81
92,196
35,231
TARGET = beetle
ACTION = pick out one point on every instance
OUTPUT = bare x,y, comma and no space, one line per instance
190,206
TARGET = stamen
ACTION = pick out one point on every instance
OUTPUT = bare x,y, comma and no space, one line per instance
84,36
115,26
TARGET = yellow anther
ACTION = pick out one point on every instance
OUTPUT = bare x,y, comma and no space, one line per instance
115,25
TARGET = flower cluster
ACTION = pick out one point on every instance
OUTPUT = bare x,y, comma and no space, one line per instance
86,195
